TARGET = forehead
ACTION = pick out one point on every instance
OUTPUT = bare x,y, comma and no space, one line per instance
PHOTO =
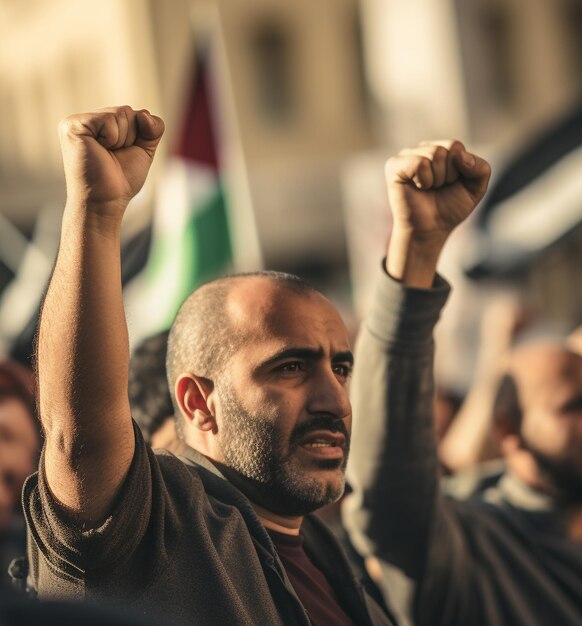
267,312
545,373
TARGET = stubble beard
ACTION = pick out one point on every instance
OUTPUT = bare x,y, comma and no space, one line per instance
563,475
254,452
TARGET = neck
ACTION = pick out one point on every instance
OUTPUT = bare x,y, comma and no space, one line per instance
278,523
529,472
288,525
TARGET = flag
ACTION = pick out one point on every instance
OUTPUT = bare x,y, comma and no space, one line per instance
191,241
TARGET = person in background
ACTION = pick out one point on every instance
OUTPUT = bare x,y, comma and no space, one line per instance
149,394
20,440
469,440
512,554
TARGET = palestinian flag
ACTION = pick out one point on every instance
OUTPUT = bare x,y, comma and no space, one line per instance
190,242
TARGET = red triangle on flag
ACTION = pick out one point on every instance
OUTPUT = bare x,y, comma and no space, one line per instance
196,141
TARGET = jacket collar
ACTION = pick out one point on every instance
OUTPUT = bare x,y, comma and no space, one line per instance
219,487
520,495
192,457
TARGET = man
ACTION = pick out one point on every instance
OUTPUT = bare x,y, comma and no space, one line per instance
19,450
511,555
258,367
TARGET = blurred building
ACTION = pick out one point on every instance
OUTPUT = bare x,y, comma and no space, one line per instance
309,98
288,79
478,69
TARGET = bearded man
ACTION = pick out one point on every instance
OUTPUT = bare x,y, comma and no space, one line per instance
258,367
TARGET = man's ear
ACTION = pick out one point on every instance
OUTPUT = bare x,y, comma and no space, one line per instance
196,399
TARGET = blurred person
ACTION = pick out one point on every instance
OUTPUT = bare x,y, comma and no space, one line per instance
258,367
511,555
538,420
19,450
149,394
470,440
447,403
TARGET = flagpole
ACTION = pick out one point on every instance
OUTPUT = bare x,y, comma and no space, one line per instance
247,254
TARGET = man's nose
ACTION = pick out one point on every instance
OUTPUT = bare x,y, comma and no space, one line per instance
329,394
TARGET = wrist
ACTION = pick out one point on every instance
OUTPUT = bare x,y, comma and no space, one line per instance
103,218
412,259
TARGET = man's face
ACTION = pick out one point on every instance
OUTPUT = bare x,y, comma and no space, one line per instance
284,417
18,453
550,387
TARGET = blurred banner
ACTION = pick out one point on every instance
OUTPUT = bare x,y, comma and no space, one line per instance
533,204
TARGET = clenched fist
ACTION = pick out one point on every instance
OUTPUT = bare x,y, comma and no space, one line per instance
432,188
107,155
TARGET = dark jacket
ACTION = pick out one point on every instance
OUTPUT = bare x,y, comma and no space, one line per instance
500,559
182,544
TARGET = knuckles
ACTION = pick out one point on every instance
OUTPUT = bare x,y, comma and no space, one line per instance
424,165
439,153
108,117
424,157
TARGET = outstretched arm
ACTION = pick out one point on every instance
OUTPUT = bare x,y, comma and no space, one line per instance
83,346
393,466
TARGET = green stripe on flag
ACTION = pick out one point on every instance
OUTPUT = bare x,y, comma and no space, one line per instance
209,236
201,252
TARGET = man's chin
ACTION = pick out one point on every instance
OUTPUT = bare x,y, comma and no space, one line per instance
305,492
294,491
563,474
309,489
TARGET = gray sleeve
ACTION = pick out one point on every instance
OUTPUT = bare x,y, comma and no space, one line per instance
395,511
63,555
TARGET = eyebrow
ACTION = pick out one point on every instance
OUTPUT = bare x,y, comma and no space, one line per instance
307,354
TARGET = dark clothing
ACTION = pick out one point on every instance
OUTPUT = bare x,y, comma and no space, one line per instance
181,544
12,546
314,591
17,610
501,559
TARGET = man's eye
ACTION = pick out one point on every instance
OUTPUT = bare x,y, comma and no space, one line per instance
343,370
291,367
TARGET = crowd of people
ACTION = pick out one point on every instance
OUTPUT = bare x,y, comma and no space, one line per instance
254,401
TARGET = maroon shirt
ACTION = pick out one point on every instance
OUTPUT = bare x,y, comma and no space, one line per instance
314,591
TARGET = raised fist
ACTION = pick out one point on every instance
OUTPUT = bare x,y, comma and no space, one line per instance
434,187
107,155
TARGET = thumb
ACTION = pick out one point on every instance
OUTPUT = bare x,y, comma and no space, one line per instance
150,129
474,170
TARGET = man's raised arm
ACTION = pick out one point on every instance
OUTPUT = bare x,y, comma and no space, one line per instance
83,346
393,467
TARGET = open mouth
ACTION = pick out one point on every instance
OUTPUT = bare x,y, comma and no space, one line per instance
324,443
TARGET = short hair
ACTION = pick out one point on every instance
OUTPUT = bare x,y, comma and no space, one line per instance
149,395
202,338
507,409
